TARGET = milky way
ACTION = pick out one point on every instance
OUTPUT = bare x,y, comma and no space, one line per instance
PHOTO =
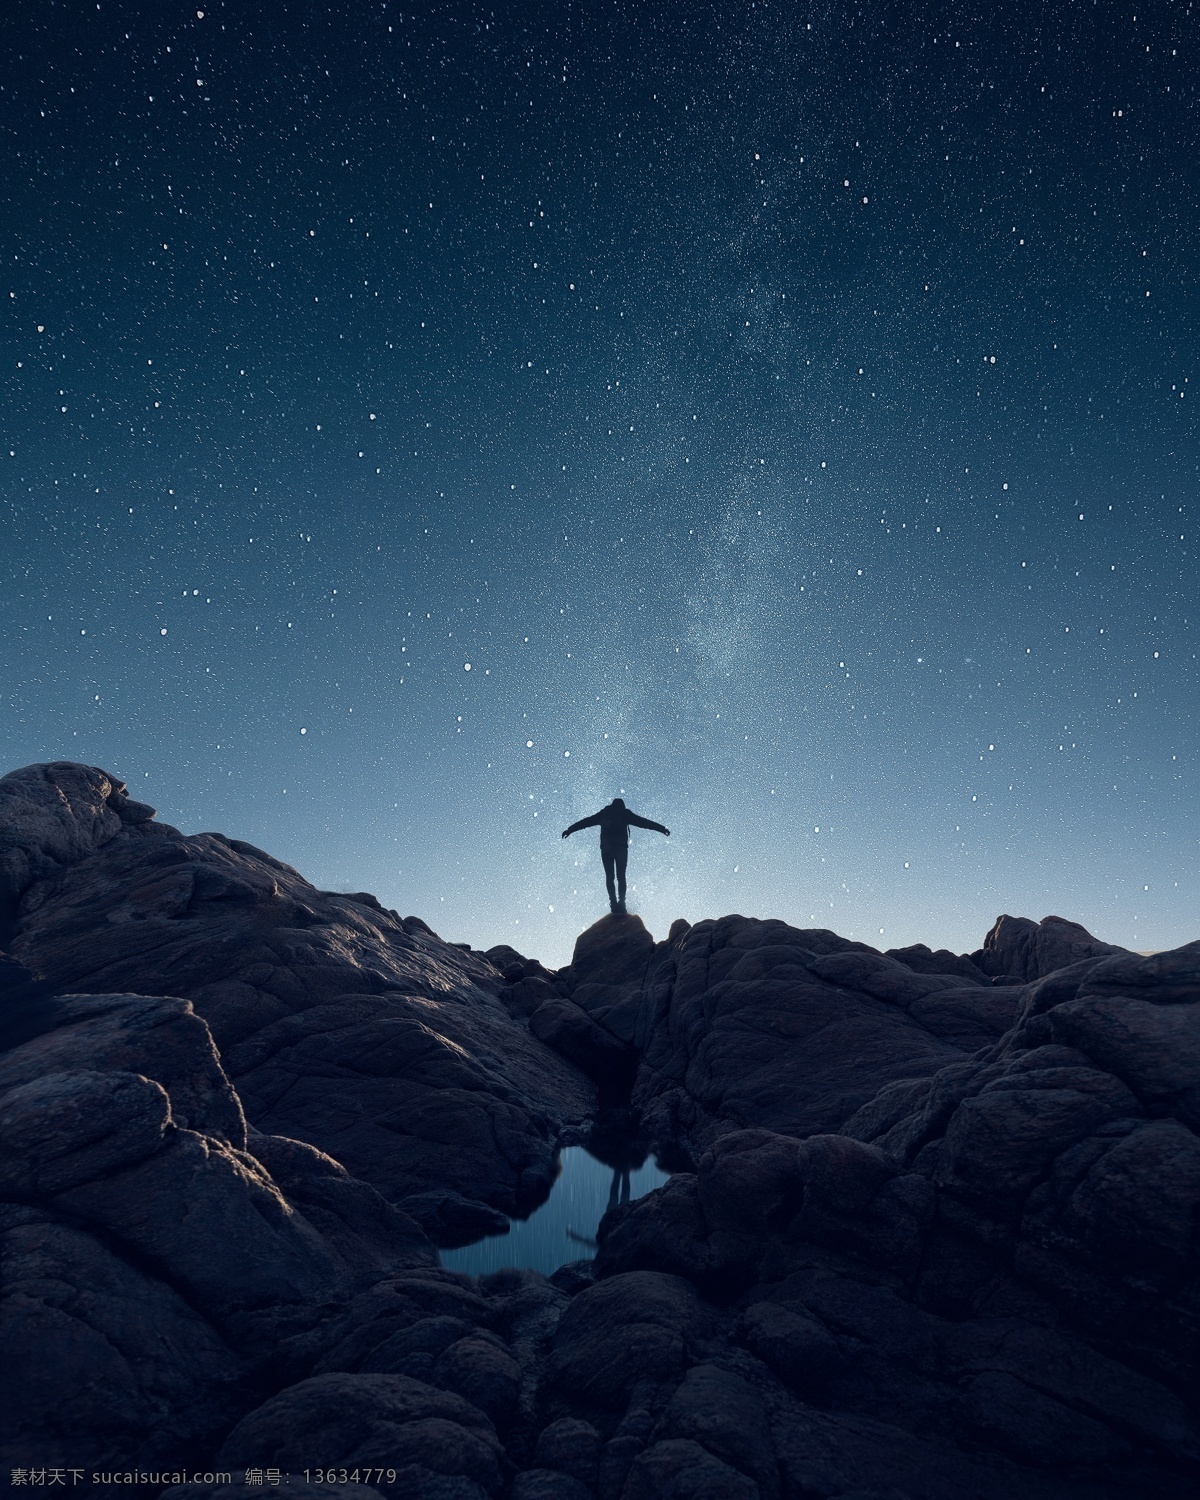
418,430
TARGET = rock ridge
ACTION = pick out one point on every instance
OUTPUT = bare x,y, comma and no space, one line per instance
933,1227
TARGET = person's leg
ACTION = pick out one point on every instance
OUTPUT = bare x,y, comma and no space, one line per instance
622,861
610,860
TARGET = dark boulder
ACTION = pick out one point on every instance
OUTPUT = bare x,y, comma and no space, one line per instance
723,1414
567,1028
160,1037
481,1370
766,1025
607,973
451,1220
1030,950
798,1348
150,1267
921,959
624,1330
410,1435
105,1363
570,1446
681,1469
51,817
341,1024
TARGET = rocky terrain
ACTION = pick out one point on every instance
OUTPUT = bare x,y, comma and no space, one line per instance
933,1228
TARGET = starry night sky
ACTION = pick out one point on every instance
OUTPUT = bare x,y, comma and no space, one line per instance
420,426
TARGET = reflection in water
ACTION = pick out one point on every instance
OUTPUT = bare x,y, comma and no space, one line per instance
564,1228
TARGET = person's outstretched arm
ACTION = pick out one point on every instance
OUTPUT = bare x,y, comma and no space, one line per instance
646,823
591,822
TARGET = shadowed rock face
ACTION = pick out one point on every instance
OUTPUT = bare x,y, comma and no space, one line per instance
742,1022
340,1023
1031,950
152,1262
935,1235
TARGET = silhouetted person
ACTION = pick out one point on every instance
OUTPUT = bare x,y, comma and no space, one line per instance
614,823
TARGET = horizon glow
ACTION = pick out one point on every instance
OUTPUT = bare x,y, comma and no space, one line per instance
417,433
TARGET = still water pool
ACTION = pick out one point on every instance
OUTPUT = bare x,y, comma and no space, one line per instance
564,1228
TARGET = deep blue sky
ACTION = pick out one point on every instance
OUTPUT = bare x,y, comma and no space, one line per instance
790,419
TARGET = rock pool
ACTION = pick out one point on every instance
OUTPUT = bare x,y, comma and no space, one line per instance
564,1228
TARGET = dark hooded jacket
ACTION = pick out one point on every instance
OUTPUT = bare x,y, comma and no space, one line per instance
614,823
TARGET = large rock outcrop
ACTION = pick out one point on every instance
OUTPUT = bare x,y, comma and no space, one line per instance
933,1229
1001,1259
342,1024
154,1267
740,1022
51,817
1030,950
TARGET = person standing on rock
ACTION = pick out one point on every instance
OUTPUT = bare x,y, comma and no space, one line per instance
614,823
